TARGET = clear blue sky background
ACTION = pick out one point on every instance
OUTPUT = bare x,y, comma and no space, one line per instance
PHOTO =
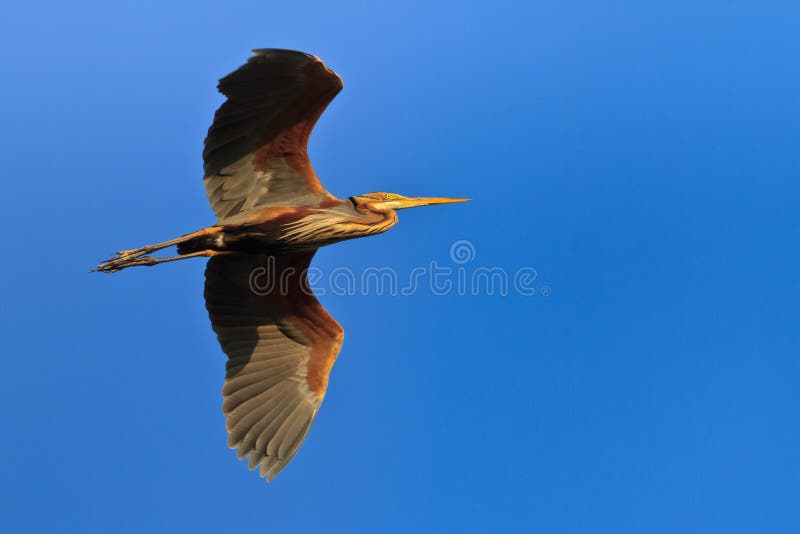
642,157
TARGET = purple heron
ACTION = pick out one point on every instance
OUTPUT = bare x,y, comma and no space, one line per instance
271,211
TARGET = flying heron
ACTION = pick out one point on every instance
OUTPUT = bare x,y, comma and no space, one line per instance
272,212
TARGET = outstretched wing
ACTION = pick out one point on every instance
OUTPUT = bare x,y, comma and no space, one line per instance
256,150
281,345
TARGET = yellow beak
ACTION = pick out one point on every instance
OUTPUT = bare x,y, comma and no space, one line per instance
403,203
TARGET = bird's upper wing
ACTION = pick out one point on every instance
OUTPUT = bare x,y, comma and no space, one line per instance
256,149
281,345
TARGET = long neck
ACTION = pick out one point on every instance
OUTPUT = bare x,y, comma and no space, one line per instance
372,219
347,221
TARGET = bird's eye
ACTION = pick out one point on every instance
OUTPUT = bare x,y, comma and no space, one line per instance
388,196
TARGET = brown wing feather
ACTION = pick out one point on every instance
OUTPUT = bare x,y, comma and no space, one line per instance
281,345
256,149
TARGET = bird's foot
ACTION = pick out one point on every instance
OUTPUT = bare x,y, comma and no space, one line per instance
122,262
134,252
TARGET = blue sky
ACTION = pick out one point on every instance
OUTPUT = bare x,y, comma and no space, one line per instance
641,158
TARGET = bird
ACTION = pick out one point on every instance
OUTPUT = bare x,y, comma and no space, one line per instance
273,214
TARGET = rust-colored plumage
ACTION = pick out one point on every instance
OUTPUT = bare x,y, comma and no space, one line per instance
272,215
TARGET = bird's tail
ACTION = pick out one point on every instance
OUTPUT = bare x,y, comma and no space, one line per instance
189,246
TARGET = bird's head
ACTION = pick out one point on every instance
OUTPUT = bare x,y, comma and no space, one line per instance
398,202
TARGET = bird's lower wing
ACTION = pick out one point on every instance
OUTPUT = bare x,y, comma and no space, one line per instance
281,345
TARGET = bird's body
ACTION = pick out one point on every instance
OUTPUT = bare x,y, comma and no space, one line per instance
273,214
288,228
